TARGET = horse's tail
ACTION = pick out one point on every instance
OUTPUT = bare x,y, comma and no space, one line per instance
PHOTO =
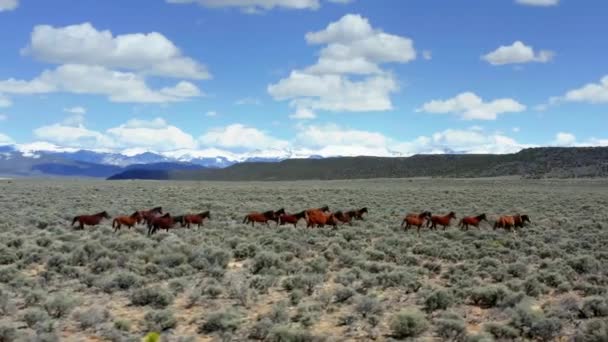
75,220
246,219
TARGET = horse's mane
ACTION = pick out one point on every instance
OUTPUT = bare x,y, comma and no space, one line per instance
479,217
135,214
204,214
157,209
269,213
301,214
101,213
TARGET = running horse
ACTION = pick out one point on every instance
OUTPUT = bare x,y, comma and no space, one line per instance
292,218
129,221
474,221
90,220
443,221
416,220
148,215
520,220
197,219
344,217
264,217
505,222
357,214
164,222
320,219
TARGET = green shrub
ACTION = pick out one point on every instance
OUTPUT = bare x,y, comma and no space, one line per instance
489,296
265,262
501,331
584,264
343,294
59,305
594,307
438,300
89,318
408,323
7,333
159,320
367,306
594,330
261,329
33,316
221,321
287,334
154,296
450,329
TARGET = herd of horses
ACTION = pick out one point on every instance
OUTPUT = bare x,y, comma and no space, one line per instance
155,219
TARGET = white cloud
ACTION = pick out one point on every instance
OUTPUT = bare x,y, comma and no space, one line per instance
211,113
353,47
253,101
5,101
543,3
3,117
257,6
517,53
76,110
6,140
8,5
150,53
241,136
565,139
154,134
334,135
303,114
590,93
85,79
469,106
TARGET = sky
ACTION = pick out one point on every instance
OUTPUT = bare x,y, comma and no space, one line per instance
326,77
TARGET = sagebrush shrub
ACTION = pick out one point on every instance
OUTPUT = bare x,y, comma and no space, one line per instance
594,330
159,320
59,305
221,321
594,307
438,300
34,316
408,323
89,318
154,296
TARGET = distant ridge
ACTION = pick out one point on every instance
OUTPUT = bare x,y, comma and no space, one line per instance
550,162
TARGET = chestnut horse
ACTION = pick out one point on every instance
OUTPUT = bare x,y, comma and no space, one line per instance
264,217
416,220
357,214
505,222
520,220
196,219
474,221
163,222
293,219
441,220
344,217
129,221
320,219
90,220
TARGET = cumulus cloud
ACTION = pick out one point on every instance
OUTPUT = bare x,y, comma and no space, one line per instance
87,79
565,139
352,47
590,93
257,6
8,5
303,114
469,106
517,53
6,140
154,134
241,136
148,53
542,3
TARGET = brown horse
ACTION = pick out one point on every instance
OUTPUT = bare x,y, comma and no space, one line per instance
164,222
520,220
129,221
148,215
320,219
344,217
357,214
264,217
505,222
324,209
474,221
416,220
443,221
90,220
196,219
292,219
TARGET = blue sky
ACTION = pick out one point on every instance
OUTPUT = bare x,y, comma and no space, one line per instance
313,76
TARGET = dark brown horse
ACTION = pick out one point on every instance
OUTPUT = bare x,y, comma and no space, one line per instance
344,217
90,220
474,221
129,221
319,218
264,217
416,220
196,219
520,220
292,218
443,221
164,222
148,215
357,214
